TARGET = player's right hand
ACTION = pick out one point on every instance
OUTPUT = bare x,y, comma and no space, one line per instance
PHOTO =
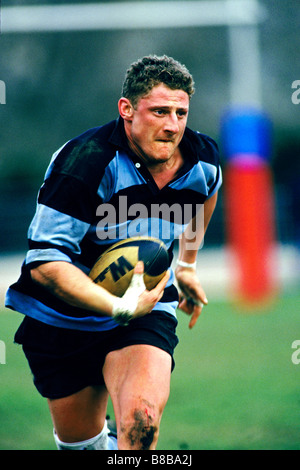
147,298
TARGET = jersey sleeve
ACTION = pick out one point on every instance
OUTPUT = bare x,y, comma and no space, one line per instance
61,220
66,207
68,198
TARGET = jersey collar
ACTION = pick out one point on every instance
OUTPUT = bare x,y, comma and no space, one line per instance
190,147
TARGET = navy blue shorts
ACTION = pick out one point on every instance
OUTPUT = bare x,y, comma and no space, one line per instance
65,361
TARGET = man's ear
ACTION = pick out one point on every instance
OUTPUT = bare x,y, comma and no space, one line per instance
125,109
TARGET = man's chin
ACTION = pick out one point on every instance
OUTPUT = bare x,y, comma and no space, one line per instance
159,159
164,154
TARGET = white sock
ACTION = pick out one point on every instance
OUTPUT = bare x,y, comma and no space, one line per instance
112,443
99,442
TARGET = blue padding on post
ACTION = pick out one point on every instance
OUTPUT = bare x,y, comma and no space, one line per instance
246,131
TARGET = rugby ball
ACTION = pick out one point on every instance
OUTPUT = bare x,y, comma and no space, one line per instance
113,270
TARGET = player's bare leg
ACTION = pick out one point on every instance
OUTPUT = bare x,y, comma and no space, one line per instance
138,380
80,416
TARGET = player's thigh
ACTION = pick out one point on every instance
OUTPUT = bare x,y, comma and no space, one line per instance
81,415
138,380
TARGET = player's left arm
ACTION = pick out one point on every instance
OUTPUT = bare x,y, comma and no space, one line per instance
192,295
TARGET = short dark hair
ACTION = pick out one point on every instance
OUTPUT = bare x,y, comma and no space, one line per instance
150,71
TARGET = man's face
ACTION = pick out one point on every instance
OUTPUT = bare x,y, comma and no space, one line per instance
156,126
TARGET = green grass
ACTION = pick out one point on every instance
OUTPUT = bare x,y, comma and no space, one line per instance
234,385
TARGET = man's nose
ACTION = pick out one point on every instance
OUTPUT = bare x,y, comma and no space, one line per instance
171,124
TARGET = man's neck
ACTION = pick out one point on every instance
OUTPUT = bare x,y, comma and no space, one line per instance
164,172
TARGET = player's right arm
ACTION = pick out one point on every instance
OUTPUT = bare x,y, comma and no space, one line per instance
73,286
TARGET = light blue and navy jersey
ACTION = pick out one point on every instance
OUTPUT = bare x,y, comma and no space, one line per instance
97,192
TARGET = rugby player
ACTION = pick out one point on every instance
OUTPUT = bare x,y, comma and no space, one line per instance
78,351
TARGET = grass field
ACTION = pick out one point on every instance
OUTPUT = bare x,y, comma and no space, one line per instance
234,385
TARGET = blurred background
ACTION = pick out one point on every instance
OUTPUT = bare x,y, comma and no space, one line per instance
59,84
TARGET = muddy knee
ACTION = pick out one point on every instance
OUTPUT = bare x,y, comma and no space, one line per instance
140,429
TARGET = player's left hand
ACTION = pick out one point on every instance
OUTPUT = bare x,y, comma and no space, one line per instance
192,296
